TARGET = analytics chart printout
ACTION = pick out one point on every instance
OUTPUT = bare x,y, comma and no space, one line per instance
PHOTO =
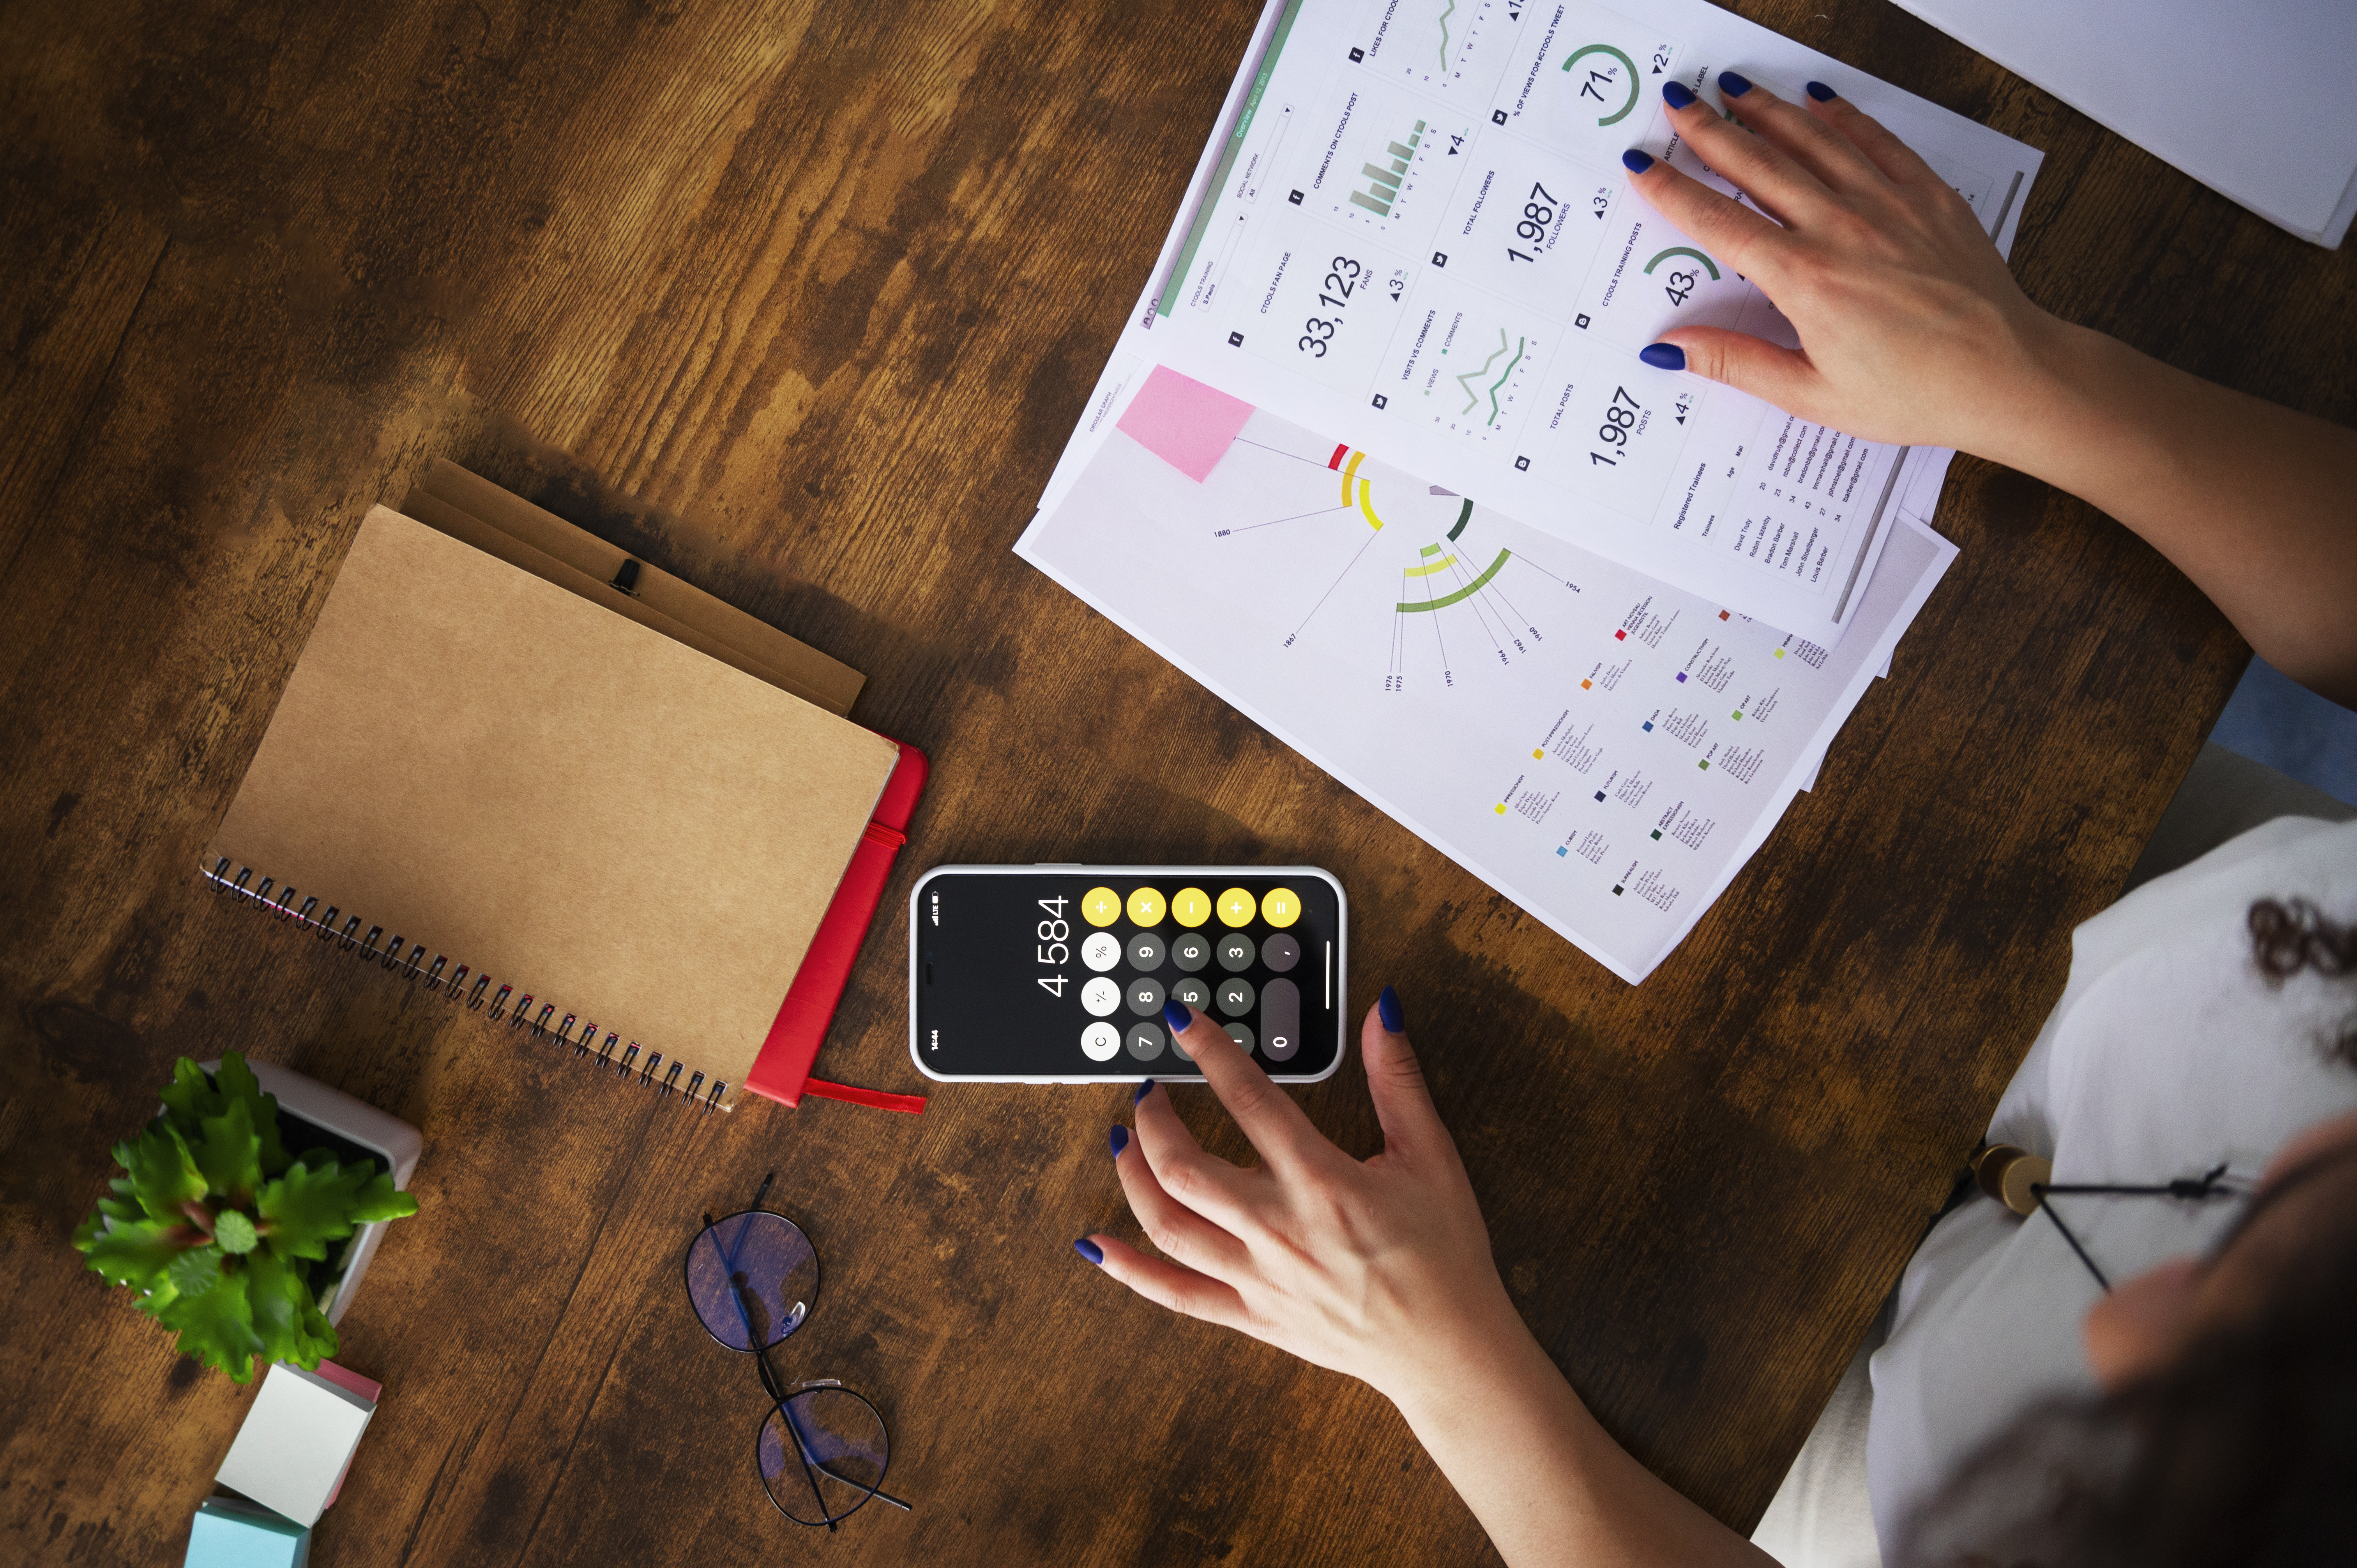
1602,748
1412,229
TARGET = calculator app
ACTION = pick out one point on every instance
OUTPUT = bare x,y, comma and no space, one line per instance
1063,974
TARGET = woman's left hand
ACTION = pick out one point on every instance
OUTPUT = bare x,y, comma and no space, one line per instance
1380,1268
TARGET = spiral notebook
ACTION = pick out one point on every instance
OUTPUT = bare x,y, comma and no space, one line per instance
561,812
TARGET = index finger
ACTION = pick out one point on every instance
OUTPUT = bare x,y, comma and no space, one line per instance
1274,1123
1721,225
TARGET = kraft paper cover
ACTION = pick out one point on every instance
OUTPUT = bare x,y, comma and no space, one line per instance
573,804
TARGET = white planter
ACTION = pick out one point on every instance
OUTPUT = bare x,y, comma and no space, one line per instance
395,1144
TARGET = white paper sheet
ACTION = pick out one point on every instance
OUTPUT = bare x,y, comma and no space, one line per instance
2194,84
1411,229
1599,747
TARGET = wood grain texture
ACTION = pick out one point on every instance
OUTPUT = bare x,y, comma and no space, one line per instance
824,288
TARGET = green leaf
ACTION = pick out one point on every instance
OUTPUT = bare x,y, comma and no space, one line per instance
190,1096
229,1151
309,1207
196,1271
285,1312
233,1232
238,1082
378,1201
163,1175
217,1327
134,1253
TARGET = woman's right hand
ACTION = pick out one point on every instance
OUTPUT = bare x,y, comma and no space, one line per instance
1912,330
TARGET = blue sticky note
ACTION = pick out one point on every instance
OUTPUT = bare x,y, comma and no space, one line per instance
230,1534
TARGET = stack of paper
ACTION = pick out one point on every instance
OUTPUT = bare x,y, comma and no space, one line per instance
1376,461
297,1440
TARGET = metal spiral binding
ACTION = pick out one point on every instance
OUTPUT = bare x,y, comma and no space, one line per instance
375,945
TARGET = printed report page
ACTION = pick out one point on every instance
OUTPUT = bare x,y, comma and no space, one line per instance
1411,230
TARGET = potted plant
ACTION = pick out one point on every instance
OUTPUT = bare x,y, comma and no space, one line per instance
240,1248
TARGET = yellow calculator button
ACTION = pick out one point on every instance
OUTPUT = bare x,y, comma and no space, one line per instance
1280,906
1236,908
1100,905
1190,906
1146,906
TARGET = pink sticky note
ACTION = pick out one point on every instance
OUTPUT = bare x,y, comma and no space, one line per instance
1186,424
345,1378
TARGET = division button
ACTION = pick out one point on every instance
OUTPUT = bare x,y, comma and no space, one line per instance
1192,991
1100,996
1144,1041
1101,951
1101,1042
1241,1034
1236,996
1146,906
1236,908
1191,951
1145,995
1100,905
1279,953
1280,1020
1280,906
1145,950
1236,952
1190,906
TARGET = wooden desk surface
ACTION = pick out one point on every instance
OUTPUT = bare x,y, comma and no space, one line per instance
827,289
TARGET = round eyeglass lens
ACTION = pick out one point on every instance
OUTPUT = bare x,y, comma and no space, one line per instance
821,1454
752,1277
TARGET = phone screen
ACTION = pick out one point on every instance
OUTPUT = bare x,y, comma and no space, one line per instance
1062,974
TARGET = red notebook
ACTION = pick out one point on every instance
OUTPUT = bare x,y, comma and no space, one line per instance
781,1072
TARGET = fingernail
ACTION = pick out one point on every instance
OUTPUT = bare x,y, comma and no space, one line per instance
1091,1251
1734,86
1387,1008
1822,93
1174,1014
1676,95
1663,356
1120,1141
1143,1091
1636,162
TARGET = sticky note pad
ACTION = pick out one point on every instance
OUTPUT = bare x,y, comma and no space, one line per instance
1186,424
299,1434
227,1533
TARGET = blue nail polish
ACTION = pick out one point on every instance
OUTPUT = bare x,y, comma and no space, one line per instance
1091,1251
1387,1008
1734,86
1120,1141
1143,1091
1174,1014
1663,356
1676,95
1822,93
1636,162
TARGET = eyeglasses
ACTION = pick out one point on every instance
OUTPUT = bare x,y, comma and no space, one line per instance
821,1449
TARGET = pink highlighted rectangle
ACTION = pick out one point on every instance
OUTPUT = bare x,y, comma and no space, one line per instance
1186,424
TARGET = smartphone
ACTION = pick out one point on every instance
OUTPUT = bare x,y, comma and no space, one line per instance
1058,974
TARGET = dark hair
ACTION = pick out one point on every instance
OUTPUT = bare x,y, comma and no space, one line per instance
2243,1450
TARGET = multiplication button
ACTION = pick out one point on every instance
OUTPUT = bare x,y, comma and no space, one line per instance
1101,1042
1101,951
1236,952
1145,906
1279,953
1235,996
1145,950
1145,995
